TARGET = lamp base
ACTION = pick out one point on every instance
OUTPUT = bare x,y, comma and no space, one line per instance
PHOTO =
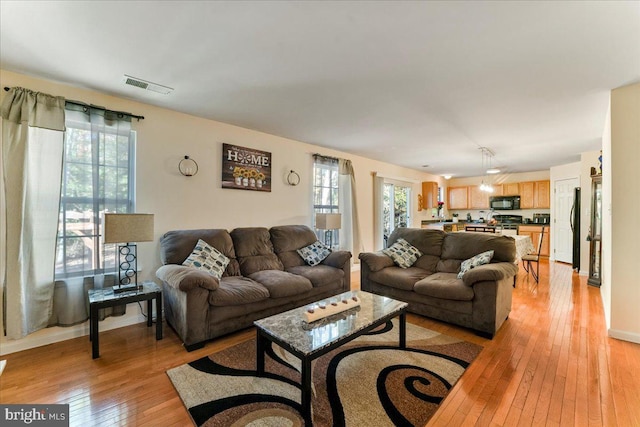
126,288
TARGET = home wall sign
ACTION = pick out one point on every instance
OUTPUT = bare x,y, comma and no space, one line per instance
245,168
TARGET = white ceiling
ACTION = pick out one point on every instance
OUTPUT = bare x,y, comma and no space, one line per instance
410,83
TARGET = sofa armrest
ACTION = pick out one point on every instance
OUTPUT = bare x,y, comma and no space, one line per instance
337,259
490,272
186,278
376,261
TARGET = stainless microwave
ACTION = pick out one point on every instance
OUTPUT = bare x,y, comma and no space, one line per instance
504,203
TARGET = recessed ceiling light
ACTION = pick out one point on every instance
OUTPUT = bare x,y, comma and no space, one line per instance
493,171
447,176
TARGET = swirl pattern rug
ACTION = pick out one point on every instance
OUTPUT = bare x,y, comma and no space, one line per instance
368,381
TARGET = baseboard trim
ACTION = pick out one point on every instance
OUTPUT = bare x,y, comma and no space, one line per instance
56,334
624,335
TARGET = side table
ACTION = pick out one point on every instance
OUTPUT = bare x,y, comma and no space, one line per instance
103,298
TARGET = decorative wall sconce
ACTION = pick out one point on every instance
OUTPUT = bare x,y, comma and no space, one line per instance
293,178
188,166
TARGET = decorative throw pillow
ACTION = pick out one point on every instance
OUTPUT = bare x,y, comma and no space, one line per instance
403,253
206,257
315,253
480,259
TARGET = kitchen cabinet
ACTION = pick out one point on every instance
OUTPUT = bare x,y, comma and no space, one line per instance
526,194
478,199
534,231
542,194
429,195
457,197
511,189
535,194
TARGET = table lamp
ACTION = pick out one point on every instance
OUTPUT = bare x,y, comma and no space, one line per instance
328,222
128,229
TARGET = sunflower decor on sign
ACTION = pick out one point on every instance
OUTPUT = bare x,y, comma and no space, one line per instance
245,168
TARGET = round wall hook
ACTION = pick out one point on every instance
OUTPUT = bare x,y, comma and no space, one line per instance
188,166
293,178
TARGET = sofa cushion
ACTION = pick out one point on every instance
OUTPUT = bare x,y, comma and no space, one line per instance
319,275
427,262
287,239
237,291
281,284
376,261
445,286
315,253
429,242
207,258
254,250
400,278
186,278
448,265
176,246
475,261
465,245
403,253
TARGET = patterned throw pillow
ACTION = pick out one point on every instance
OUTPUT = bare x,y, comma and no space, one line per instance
403,253
480,259
314,254
206,257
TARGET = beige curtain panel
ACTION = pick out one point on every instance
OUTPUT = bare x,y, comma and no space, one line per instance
32,147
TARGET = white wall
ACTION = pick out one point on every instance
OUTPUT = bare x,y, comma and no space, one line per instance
178,202
558,173
623,177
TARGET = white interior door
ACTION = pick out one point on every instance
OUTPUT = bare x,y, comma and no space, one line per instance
562,235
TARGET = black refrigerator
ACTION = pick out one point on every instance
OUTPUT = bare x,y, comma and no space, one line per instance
575,228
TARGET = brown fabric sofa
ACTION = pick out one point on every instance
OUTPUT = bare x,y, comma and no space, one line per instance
481,300
265,276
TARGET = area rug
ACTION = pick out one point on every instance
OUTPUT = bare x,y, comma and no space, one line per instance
367,382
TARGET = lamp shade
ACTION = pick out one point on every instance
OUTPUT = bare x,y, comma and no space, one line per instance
328,221
125,228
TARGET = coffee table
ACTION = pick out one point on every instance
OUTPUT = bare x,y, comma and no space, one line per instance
308,341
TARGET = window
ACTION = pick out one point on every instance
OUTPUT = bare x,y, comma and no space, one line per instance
97,177
325,191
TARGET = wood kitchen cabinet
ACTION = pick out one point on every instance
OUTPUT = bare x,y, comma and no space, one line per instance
478,199
534,231
542,194
429,195
535,194
511,189
526,194
457,197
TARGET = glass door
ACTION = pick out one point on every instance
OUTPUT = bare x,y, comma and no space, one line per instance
395,208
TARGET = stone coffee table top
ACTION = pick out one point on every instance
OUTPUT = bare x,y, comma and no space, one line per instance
307,338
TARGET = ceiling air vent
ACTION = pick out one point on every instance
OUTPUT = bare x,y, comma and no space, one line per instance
146,85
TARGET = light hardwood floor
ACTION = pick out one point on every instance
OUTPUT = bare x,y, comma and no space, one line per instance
550,364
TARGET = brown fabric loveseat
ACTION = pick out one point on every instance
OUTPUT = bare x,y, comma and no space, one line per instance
265,276
481,300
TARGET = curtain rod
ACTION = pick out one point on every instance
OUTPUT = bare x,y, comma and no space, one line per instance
82,104
326,157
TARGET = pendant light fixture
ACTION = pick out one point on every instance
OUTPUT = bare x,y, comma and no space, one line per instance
486,161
